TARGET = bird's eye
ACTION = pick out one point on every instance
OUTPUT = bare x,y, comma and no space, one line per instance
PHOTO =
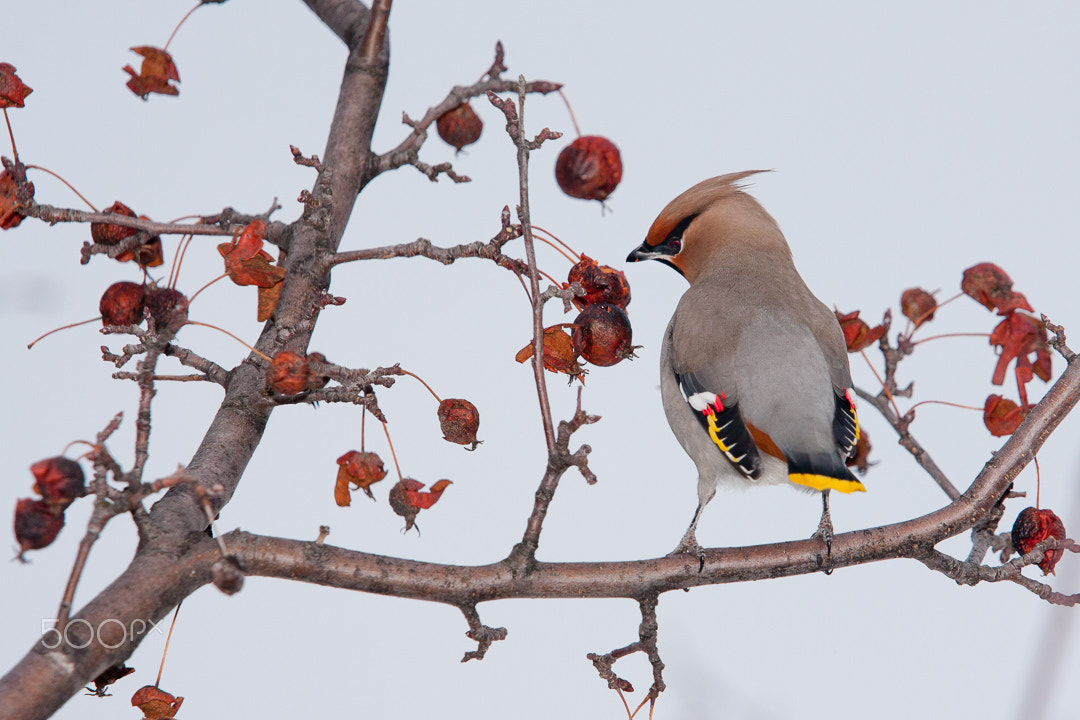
673,242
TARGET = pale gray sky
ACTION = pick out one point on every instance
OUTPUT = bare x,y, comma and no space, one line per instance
909,143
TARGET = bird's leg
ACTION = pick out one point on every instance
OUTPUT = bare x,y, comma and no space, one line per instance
689,543
825,528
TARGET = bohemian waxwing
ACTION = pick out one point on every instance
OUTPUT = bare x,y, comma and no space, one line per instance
753,368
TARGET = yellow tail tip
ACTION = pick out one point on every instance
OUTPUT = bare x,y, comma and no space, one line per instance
824,482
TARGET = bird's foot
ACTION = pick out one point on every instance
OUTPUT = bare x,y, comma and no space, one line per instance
824,533
689,546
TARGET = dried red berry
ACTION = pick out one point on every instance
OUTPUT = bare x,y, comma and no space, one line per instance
59,481
602,334
917,305
110,234
155,703
991,286
460,127
362,469
407,500
169,309
148,254
602,283
857,334
1032,526
459,420
36,525
110,675
589,168
400,504
122,303
317,381
288,373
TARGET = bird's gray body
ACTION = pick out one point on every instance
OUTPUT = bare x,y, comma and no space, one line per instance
749,333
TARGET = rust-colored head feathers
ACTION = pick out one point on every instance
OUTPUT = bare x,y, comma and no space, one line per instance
716,210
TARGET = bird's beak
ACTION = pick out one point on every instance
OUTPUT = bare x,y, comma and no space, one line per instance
644,251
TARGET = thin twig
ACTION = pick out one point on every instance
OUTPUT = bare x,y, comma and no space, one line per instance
482,634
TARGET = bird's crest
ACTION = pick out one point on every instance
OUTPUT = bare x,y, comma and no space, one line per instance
694,201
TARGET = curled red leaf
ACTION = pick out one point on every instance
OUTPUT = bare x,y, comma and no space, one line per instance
857,334
155,73
15,191
246,263
13,91
1002,416
155,703
362,469
424,500
1019,337
559,353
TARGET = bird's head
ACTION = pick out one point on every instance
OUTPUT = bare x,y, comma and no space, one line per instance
711,220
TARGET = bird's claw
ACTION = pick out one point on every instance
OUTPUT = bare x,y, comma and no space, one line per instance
689,546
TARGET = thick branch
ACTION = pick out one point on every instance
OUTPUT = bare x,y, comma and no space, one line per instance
151,585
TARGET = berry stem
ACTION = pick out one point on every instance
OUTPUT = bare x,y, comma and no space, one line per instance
944,402
182,20
219,277
931,311
406,372
161,667
553,280
79,442
553,236
62,327
629,715
70,186
571,111
1038,481
884,388
525,288
11,135
950,335
178,259
392,453
215,327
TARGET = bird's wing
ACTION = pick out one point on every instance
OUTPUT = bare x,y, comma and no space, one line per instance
846,424
723,423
